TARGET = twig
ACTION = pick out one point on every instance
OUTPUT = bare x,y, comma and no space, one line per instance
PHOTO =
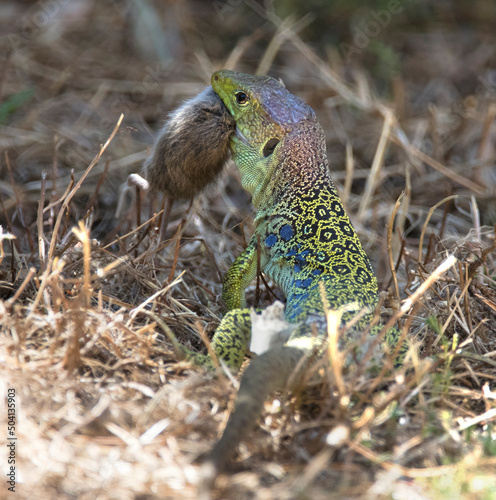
390,246
350,165
441,269
141,308
377,163
243,45
27,279
82,233
482,153
404,471
287,25
451,174
409,303
19,204
77,186
473,266
41,236
176,252
427,219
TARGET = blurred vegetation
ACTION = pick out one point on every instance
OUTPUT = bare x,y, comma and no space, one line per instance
89,352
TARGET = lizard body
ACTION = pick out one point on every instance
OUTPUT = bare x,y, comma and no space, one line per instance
303,239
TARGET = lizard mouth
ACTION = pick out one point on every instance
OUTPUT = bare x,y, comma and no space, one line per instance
241,136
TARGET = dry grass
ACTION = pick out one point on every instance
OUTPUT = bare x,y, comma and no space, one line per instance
92,304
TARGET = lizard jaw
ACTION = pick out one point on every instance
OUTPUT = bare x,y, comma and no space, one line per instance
241,136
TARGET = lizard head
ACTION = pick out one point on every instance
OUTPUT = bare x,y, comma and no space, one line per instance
264,112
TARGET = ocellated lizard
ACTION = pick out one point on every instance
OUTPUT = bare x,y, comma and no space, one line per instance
303,239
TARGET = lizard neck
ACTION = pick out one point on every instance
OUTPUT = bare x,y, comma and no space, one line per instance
306,233
299,158
296,167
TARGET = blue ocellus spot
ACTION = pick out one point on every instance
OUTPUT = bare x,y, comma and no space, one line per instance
300,297
301,257
271,240
306,283
286,232
291,253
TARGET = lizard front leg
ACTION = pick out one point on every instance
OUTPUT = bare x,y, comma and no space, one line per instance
232,337
229,342
241,273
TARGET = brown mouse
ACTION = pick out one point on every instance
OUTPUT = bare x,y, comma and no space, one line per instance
192,147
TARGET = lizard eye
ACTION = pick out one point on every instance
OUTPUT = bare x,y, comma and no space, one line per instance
242,98
269,147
